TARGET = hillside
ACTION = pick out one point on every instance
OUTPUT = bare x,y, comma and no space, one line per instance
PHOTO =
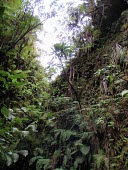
100,86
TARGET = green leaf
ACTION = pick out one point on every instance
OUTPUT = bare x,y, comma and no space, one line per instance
3,79
18,71
50,115
14,129
101,158
15,4
4,111
25,133
57,153
9,160
118,81
86,135
32,127
79,160
4,73
17,75
34,159
124,92
66,134
78,143
19,83
65,160
82,7
15,157
85,150
106,161
42,163
23,152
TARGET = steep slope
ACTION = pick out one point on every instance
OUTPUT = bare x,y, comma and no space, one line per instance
105,98
101,84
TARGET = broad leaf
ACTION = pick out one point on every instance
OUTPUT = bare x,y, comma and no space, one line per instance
124,92
25,133
65,160
32,127
23,152
34,159
4,111
79,160
9,160
85,150
15,157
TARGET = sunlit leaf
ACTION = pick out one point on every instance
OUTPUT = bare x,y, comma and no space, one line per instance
25,133
14,129
9,160
15,157
32,127
23,152
124,92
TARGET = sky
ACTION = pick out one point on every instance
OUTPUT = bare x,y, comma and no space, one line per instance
52,30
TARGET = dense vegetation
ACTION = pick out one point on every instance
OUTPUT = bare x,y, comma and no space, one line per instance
80,120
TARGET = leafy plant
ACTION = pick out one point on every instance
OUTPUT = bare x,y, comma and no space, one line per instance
101,159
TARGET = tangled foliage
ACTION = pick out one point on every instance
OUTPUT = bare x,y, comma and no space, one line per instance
41,126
